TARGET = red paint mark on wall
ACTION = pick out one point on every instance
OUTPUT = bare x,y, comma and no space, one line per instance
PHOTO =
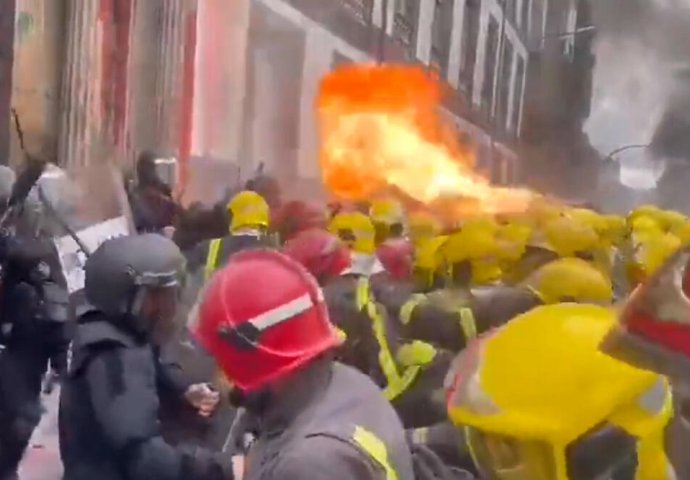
187,104
215,26
116,22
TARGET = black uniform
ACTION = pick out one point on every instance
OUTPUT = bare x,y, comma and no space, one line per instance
33,332
449,317
421,402
109,411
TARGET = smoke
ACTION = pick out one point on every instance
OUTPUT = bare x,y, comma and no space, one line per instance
641,82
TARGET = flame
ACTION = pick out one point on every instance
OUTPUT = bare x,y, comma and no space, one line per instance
380,128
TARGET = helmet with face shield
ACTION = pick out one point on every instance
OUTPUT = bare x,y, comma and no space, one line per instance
135,280
540,402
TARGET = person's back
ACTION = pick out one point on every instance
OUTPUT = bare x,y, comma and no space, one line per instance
97,349
265,321
340,418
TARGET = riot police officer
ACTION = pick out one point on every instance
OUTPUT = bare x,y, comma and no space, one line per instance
33,333
109,403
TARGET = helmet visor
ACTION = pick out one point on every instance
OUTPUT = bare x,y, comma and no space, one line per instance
504,458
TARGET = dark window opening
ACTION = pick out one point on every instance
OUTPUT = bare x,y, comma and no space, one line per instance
362,10
490,64
519,87
506,71
470,37
441,32
405,23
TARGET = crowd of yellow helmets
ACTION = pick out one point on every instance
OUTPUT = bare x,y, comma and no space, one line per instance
532,390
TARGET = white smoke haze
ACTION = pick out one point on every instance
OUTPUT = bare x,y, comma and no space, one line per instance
641,46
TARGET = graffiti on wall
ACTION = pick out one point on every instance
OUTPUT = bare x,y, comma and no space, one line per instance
25,27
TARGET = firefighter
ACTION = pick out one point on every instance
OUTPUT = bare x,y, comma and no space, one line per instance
422,226
297,216
388,217
357,231
410,373
264,320
451,317
109,403
584,416
396,256
426,271
268,187
248,229
653,333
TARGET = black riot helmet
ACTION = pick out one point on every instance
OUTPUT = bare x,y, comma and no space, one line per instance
125,272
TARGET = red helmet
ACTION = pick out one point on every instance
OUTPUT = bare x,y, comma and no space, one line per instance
654,328
396,255
296,216
321,252
262,317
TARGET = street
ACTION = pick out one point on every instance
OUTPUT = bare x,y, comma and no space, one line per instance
42,458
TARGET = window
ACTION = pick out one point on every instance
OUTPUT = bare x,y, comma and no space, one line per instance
517,99
524,15
362,10
470,36
509,10
490,63
441,35
506,71
405,23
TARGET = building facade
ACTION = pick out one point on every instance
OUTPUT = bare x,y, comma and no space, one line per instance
558,99
99,80
254,104
235,82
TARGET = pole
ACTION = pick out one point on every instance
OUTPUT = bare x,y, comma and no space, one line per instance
496,96
381,53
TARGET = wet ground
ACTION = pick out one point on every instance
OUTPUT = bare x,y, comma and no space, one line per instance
42,458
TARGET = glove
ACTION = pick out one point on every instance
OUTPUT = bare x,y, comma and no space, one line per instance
428,466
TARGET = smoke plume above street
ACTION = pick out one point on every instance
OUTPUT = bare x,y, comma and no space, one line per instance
641,81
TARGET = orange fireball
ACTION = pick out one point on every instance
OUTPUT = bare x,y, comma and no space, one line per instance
380,128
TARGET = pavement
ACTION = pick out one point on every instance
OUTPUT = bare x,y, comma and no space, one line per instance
42,458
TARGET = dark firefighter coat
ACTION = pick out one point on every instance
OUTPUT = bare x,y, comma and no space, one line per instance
450,317
410,374
108,420
220,249
331,424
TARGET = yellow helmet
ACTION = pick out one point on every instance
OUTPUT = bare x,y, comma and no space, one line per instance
568,236
653,251
472,242
248,210
671,220
387,212
513,238
539,401
570,280
643,211
683,233
615,229
356,230
422,225
588,217
428,259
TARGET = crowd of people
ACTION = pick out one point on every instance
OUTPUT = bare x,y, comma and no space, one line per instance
362,341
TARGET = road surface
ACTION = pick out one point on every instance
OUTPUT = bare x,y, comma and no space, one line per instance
42,458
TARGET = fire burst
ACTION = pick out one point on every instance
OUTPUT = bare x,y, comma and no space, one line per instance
380,129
